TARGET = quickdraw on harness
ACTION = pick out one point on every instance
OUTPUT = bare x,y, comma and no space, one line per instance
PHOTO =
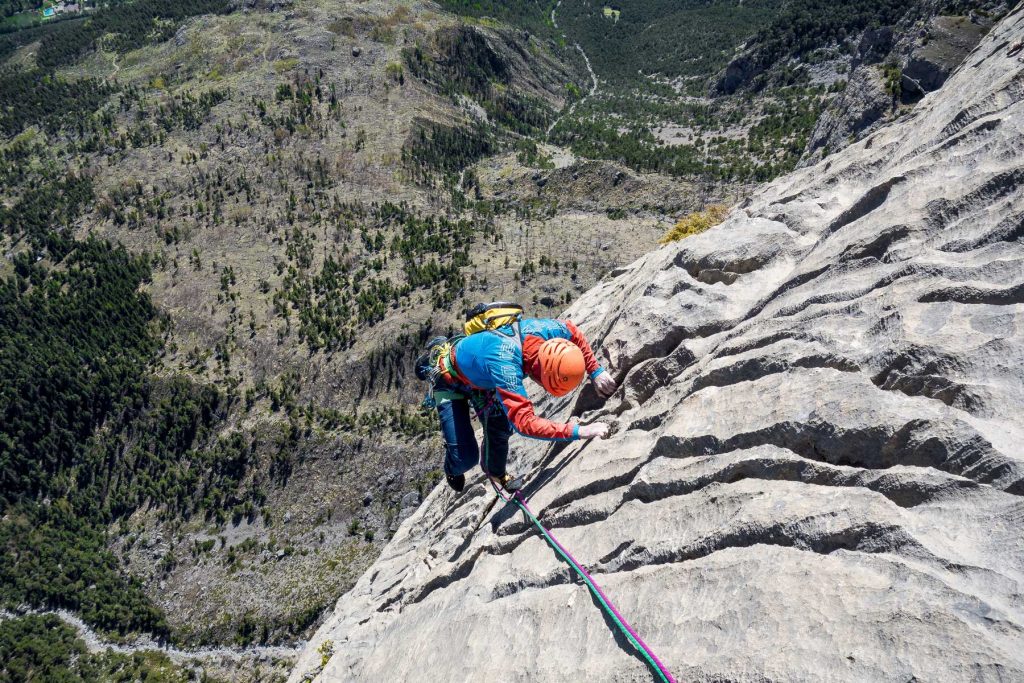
434,364
648,655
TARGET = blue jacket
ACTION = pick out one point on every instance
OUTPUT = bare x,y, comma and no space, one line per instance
497,361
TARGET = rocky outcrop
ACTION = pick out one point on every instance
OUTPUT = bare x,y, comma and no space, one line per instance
816,472
947,42
597,186
499,70
919,59
736,74
863,104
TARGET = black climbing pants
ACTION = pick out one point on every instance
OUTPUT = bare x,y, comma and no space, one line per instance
461,450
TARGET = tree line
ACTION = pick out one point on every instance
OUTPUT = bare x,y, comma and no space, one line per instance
122,27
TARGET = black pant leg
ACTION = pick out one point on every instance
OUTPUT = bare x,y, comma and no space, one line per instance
496,437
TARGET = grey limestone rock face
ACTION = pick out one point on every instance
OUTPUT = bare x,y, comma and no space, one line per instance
817,470
863,104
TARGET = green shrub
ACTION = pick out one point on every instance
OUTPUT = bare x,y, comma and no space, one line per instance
893,77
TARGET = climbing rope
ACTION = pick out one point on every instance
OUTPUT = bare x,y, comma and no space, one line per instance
627,630
652,659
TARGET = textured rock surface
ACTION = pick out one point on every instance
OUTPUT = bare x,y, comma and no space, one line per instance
817,471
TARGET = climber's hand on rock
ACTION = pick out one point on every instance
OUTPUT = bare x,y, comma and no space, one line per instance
604,384
598,430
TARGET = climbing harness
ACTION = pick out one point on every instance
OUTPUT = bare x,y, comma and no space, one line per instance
652,660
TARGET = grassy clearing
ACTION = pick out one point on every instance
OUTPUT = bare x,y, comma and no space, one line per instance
20,20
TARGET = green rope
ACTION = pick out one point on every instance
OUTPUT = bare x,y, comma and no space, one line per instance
590,584
651,660
594,590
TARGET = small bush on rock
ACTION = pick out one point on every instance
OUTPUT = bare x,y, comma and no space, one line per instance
696,223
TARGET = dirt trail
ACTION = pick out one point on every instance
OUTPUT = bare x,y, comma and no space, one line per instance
97,644
590,70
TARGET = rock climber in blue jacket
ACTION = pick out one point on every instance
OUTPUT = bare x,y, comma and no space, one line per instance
487,368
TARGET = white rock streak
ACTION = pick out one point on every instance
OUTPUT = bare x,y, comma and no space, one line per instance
96,644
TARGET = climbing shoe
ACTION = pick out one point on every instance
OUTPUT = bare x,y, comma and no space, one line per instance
457,481
508,482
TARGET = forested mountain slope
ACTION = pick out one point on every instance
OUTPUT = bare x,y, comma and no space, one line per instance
225,229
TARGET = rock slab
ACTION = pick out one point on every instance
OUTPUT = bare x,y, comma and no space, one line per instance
817,470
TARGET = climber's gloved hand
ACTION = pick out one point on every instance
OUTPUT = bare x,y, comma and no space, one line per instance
604,384
598,430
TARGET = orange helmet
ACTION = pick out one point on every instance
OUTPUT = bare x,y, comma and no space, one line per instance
561,366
